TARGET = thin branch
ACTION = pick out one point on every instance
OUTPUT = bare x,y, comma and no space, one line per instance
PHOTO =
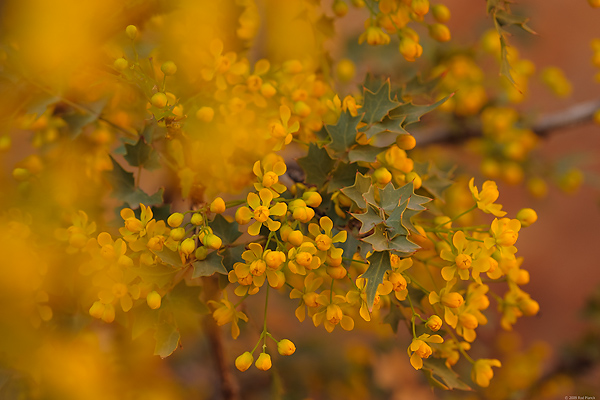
575,115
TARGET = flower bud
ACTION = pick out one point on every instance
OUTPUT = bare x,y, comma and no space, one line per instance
217,206
121,64
244,361
168,68
212,241
527,216
285,347
263,362
131,31
406,142
201,253
312,199
382,176
452,299
197,219
177,234
205,114
154,300
188,246
159,100
175,220
434,323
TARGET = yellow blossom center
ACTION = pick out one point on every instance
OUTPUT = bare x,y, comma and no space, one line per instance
304,259
258,267
119,290
463,261
269,179
323,242
261,214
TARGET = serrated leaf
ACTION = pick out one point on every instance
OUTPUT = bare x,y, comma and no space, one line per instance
402,245
394,317
167,337
343,134
506,18
78,120
504,64
350,246
227,231
144,318
416,86
389,197
394,221
386,125
373,83
438,373
368,220
378,239
406,222
344,176
317,165
411,113
355,192
209,266
416,201
376,105
169,257
40,103
366,153
141,155
158,274
434,180
379,264
124,188
231,255
184,297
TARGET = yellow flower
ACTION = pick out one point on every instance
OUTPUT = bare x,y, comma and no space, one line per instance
505,233
482,371
485,200
374,36
268,176
280,130
419,349
262,213
225,312
308,296
331,313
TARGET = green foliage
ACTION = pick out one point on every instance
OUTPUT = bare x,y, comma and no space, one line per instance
379,264
125,189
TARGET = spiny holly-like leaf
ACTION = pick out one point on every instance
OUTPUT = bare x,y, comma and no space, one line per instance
159,275
227,231
373,83
386,125
356,191
231,255
365,153
40,103
406,222
343,134
439,374
350,246
368,220
377,104
394,317
394,221
412,113
344,176
142,155
389,197
378,239
504,64
317,165
169,257
416,201
402,245
505,18
416,85
379,263
435,181
77,119
207,267
167,336
124,188
144,318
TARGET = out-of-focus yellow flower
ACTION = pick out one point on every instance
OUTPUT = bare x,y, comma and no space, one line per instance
485,200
